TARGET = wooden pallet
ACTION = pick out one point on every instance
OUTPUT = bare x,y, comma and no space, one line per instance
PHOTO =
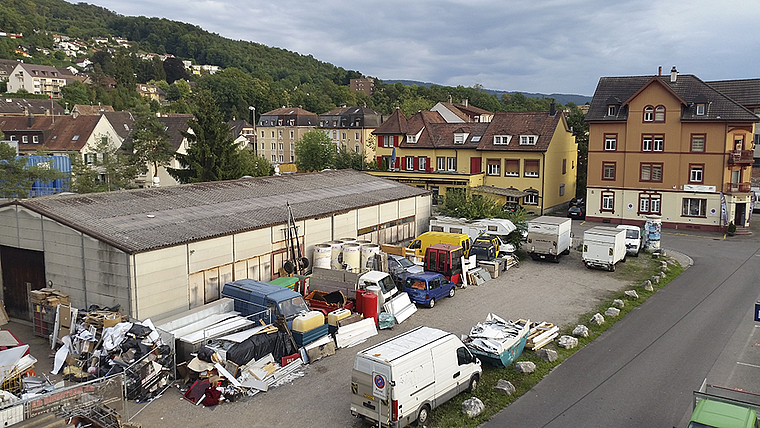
541,334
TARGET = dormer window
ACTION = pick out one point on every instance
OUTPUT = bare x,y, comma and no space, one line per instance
502,139
411,139
528,140
611,110
700,109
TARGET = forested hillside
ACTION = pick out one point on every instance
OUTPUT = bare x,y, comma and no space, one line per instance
252,74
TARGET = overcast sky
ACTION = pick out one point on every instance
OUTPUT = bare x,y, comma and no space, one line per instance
545,46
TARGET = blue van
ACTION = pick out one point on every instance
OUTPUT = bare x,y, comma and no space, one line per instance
427,287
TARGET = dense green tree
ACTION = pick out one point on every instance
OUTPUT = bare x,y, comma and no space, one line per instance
254,165
174,70
577,121
212,154
149,144
16,178
76,92
345,159
315,151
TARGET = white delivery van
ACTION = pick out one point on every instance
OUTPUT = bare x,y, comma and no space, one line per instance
381,279
549,237
633,239
603,247
400,380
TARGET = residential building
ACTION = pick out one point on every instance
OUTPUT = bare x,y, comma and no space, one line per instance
151,91
37,79
747,93
363,84
175,125
6,68
528,158
279,129
90,110
351,128
243,133
462,113
672,147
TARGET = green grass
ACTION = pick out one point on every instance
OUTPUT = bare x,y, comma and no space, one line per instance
635,271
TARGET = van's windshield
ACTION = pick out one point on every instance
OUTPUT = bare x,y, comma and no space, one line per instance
632,234
292,307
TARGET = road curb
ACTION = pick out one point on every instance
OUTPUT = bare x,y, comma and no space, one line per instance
682,258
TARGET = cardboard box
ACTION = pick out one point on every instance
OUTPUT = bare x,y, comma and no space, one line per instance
321,351
111,320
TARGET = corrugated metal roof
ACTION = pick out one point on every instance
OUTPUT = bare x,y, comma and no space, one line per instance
144,219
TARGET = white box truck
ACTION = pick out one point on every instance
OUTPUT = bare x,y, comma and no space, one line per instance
549,237
401,380
603,247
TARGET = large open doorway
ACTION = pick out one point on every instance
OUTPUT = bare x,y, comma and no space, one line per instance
741,214
23,271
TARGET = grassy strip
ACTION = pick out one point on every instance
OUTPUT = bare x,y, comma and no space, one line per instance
637,270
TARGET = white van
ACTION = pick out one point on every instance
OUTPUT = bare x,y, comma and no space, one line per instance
400,380
633,239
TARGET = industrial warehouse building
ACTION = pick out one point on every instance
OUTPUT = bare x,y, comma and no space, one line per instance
161,251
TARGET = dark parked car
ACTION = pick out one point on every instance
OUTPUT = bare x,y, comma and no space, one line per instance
576,212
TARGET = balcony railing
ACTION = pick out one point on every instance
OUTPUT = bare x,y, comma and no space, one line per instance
736,157
737,187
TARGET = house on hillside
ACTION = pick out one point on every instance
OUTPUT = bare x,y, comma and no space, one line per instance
527,158
29,107
673,147
243,133
351,128
37,79
152,92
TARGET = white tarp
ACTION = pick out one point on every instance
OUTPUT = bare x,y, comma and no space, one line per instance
401,307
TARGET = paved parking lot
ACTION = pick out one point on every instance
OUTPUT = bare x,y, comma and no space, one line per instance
539,291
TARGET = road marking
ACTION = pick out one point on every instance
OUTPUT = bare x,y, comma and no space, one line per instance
749,365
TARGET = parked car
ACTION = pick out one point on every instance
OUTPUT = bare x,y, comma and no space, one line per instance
400,267
428,287
576,212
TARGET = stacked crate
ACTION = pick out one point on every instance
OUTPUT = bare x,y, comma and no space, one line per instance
45,301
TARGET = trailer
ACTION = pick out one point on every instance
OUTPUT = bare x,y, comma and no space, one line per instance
603,247
549,237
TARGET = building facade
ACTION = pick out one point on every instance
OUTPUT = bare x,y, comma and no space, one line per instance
37,79
672,147
351,128
279,129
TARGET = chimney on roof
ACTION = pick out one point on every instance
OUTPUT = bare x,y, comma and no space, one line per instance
465,102
449,98
673,74
553,109
659,71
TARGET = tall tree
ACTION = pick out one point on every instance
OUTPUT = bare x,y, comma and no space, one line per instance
315,151
577,121
150,142
212,154
16,178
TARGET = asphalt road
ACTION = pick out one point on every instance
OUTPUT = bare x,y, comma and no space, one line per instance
642,371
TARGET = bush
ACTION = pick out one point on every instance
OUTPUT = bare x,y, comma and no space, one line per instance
731,228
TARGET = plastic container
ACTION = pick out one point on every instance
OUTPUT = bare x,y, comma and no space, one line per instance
359,300
308,321
369,305
352,256
322,255
368,253
337,315
336,254
377,291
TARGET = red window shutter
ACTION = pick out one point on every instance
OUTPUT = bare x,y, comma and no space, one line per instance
403,162
428,167
395,141
380,162
416,163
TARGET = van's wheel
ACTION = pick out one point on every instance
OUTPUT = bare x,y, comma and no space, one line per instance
432,303
452,291
566,252
636,254
423,415
533,256
474,383
612,268
556,259
588,266
624,257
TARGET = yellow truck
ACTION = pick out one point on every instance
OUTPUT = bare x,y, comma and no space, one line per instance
420,243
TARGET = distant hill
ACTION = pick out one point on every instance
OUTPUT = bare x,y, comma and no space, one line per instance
561,98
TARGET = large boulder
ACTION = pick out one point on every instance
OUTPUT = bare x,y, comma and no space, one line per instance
612,312
567,342
580,331
472,407
504,387
525,367
647,286
632,294
618,303
549,355
597,319
655,279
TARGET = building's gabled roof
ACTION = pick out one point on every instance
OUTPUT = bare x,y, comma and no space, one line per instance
744,91
122,122
146,219
300,116
441,135
237,127
70,134
46,71
175,124
418,124
351,117
23,106
465,112
90,110
6,67
614,90
395,124
516,124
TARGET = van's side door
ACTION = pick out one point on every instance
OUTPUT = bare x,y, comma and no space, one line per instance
448,374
